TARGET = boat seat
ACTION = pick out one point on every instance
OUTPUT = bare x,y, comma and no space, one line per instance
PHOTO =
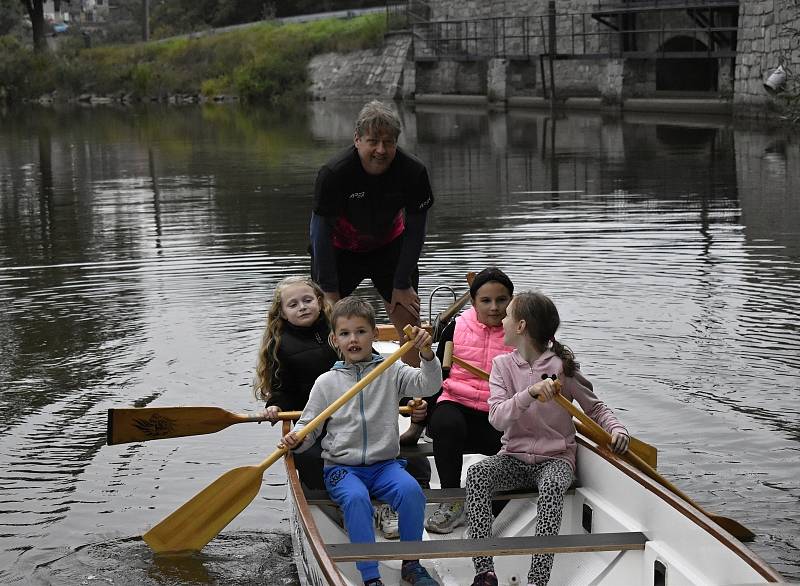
496,546
420,449
437,495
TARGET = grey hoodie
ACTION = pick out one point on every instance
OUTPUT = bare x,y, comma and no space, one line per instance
364,430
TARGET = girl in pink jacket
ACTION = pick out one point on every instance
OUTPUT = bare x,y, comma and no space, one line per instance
459,422
538,444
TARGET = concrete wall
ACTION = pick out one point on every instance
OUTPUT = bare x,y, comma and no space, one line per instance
362,75
391,73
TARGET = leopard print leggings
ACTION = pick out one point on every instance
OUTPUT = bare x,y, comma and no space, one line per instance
503,472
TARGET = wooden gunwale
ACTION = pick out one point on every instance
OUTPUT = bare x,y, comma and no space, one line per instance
728,540
309,526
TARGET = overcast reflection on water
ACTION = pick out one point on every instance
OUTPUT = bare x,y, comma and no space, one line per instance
139,248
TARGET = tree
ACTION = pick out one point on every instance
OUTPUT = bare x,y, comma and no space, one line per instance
35,10
10,16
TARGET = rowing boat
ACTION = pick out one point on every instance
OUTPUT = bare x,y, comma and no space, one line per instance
619,527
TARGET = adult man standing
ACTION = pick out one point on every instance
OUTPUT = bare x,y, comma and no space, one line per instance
370,207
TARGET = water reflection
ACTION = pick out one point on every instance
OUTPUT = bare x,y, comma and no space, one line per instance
139,248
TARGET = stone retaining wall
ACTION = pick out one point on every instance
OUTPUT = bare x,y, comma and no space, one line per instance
765,41
362,75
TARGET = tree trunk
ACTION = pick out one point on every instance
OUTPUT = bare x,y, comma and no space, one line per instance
35,10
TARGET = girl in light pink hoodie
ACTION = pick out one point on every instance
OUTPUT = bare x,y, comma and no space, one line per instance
538,444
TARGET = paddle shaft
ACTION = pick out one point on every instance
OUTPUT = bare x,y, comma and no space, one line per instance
644,450
139,424
446,315
199,520
603,438
588,427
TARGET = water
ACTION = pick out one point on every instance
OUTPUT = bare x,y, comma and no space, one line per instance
139,248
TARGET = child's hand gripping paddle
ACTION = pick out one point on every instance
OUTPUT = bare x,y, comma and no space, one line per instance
199,520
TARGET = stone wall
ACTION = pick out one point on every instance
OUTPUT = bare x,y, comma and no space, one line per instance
577,33
361,75
765,41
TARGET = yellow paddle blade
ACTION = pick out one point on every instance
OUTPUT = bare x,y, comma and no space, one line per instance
149,423
645,451
198,521
201,519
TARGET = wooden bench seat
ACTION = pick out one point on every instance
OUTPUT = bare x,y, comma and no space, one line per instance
436,495
496,546
421,449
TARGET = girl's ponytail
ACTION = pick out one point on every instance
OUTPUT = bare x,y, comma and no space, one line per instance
566,356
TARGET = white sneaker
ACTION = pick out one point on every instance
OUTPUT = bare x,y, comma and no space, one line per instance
386,521
446,517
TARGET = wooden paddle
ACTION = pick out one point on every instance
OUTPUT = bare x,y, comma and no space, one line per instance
642,449
199,520
141,424
589,428
446,315
602,438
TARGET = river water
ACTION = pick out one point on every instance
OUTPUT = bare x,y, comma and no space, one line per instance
139,248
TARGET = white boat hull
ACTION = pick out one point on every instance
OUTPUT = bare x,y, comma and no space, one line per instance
684,547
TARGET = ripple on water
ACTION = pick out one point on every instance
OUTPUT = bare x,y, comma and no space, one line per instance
233,559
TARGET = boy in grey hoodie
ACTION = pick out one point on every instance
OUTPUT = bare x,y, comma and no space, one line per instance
362,439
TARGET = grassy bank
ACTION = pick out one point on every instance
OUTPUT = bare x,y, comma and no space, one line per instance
266,63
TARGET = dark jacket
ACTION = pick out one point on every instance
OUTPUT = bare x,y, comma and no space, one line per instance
304,354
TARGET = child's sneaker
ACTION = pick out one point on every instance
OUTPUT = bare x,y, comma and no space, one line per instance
485,579
413,573
386,520
446,517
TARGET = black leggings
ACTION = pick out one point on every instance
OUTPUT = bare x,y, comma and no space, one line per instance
457,429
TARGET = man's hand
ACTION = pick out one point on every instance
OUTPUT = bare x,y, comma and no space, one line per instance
408,298
332,297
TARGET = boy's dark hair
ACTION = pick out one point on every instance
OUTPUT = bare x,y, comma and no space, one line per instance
488,275
353,307
541,322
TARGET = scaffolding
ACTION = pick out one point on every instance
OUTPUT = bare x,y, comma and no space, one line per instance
671,30
610,30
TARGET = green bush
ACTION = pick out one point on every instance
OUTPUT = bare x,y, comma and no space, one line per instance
23,73
265,62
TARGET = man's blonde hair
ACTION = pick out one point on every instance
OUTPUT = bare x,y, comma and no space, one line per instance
376,117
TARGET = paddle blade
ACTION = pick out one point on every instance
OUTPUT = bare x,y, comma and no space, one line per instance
149,423
735,528
198,521
645,451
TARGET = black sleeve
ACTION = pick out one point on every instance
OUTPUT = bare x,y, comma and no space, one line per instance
447,336
413,239
323,257
420,197
281,388
326,201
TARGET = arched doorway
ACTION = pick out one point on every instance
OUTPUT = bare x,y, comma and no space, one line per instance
686,74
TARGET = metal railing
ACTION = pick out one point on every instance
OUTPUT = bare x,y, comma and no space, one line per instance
559,35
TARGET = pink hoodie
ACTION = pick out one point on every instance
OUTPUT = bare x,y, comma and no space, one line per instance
534,431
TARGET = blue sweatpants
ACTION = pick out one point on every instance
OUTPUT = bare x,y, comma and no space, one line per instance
350,487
